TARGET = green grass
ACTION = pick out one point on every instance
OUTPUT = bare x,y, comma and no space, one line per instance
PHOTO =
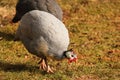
94,28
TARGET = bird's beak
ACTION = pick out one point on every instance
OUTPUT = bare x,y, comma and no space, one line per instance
72,60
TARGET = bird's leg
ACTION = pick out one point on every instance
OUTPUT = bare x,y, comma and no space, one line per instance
49,70
42,64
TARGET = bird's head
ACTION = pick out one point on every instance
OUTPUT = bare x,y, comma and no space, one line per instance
70,55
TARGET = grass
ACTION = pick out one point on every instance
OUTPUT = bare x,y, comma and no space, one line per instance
94,28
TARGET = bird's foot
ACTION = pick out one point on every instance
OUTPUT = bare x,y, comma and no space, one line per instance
49,70
43,65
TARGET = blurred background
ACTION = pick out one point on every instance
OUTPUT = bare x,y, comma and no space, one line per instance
94,28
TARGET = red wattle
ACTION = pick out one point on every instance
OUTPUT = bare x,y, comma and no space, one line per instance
71,60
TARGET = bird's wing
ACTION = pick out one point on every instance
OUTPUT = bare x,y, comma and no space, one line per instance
54,32
50,6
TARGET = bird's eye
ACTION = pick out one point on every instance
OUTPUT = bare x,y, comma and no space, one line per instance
72,55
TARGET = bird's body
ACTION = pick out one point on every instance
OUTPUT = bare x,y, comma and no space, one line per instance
44,36
24,6
40,29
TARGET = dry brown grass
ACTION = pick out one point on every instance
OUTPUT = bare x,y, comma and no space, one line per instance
94,27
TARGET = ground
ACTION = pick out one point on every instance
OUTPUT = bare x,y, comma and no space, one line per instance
94,28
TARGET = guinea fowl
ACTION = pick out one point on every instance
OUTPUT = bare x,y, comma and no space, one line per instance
45,36
24,6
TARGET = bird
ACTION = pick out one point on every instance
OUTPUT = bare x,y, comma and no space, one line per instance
24,6
45,36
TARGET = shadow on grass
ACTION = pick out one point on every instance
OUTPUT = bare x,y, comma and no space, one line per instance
9,67
6,36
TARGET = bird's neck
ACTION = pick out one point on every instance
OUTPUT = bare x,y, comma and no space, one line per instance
64,54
